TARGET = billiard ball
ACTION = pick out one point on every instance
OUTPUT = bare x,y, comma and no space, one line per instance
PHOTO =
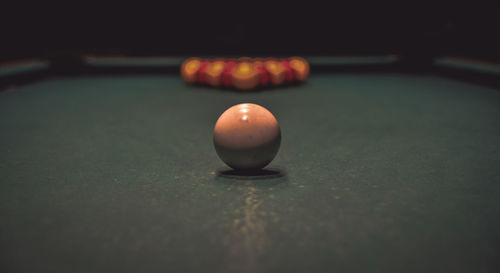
289,74
201,76
300,68
226,74
245,76
276,72
189,69
263,74
214,72
247,137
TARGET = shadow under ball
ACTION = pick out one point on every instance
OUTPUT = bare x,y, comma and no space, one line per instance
247,136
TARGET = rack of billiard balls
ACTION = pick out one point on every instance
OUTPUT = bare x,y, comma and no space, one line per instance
245,73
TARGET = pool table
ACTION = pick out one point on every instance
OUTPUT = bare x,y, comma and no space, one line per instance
378,171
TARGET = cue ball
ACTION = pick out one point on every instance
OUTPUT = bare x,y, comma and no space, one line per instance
247,137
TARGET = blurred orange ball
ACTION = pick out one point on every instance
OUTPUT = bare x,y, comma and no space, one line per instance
300,67
245,76
189,69
276,71
214,73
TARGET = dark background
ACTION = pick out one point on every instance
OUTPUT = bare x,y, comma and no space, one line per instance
250,28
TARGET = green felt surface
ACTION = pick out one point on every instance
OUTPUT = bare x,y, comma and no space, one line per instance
383,173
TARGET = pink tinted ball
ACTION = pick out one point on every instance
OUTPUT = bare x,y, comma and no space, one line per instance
247,136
